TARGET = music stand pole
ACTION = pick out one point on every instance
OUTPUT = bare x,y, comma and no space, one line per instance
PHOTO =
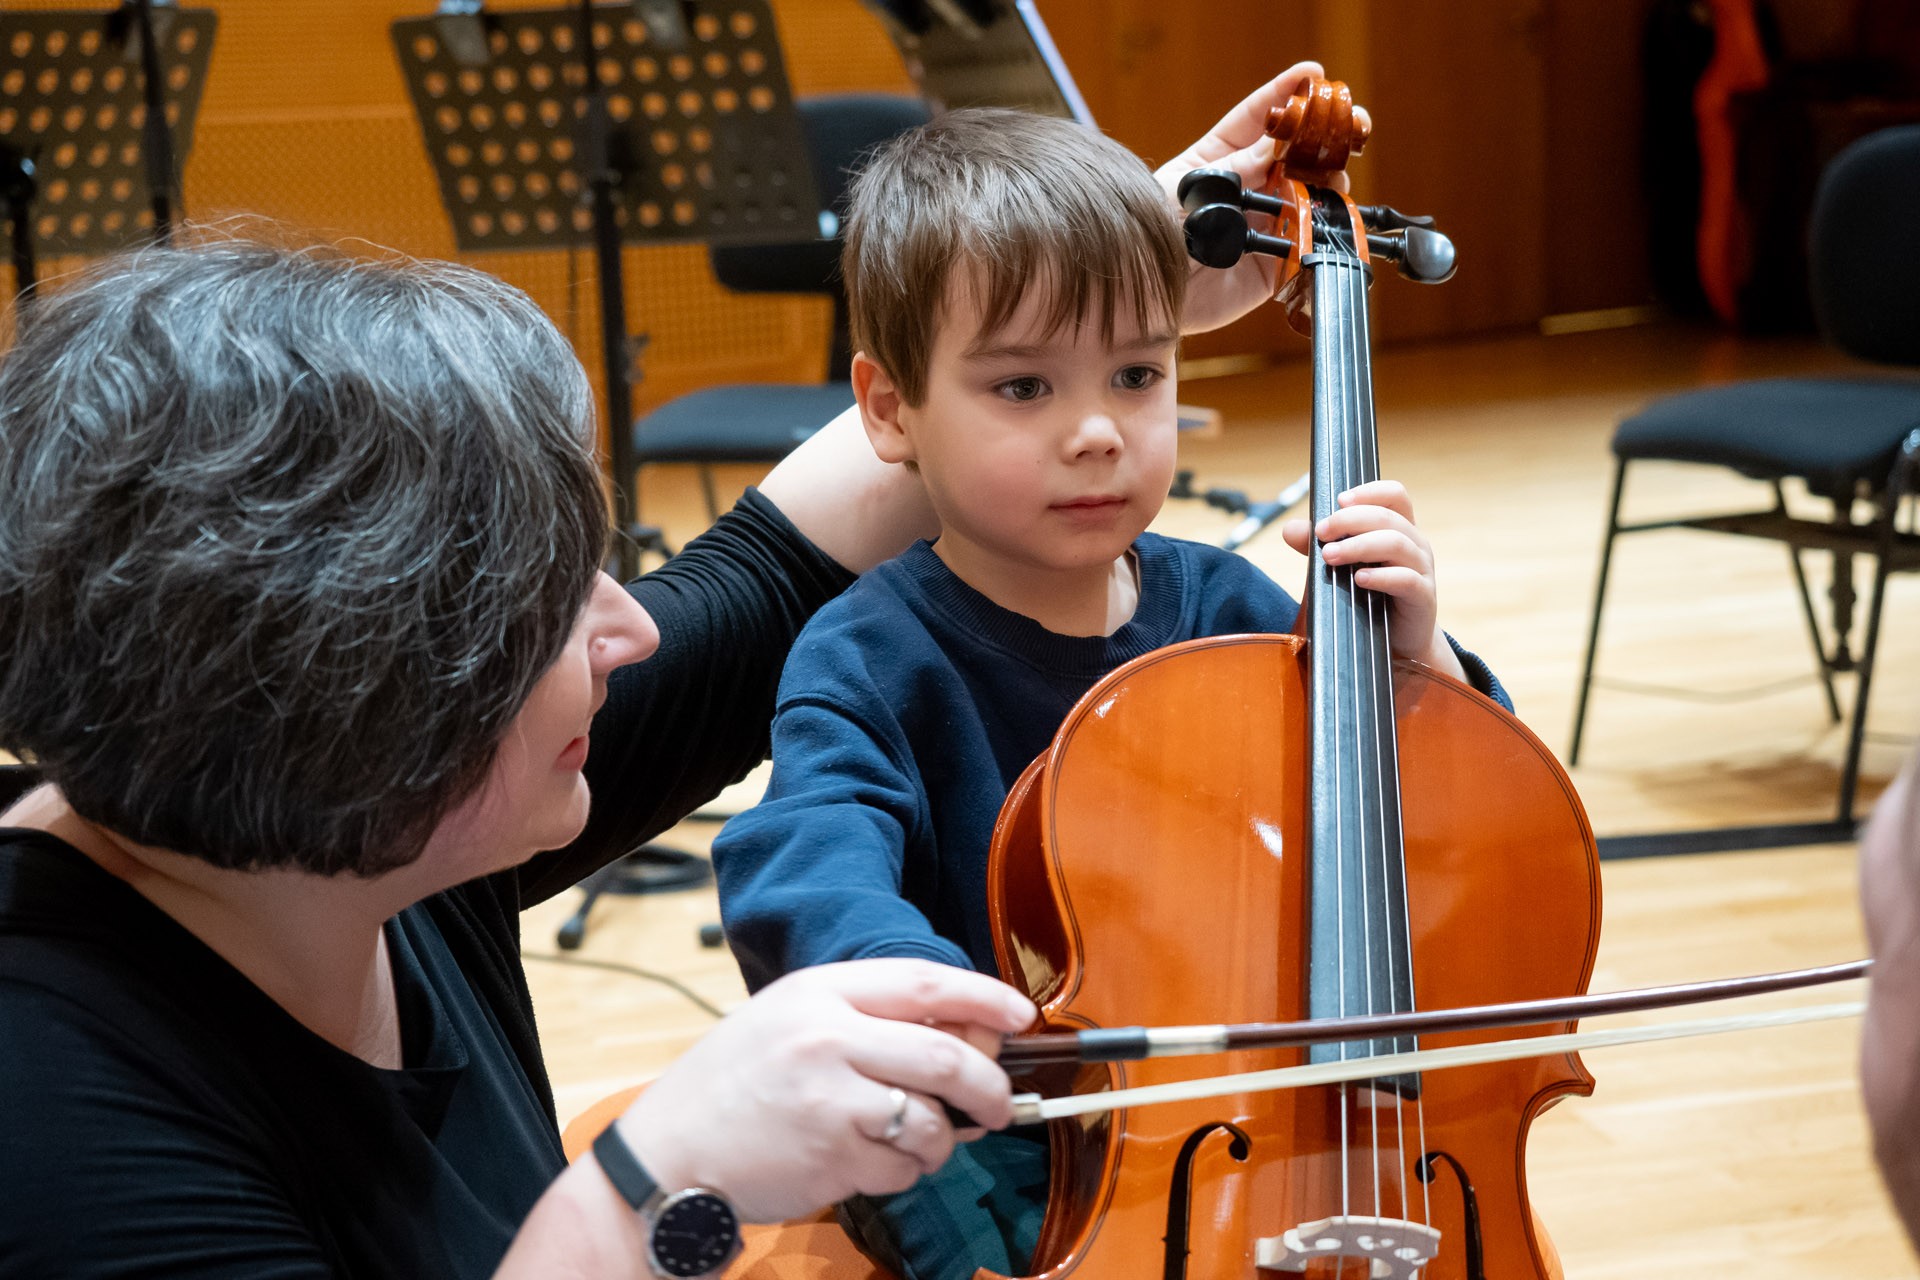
631,539
94,126
17,188
157,137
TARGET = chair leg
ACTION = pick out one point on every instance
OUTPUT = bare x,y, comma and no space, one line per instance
1599,599
1857,735
1899,486
1806,606
706,489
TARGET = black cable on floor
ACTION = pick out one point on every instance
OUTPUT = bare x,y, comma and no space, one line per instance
632,971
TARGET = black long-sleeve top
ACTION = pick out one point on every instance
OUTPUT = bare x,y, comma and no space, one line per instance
165,1117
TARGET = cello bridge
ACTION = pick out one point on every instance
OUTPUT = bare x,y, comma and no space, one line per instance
1395,1248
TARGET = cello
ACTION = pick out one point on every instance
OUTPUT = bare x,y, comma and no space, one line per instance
1340,834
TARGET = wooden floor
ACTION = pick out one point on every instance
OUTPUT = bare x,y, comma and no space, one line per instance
1741,1156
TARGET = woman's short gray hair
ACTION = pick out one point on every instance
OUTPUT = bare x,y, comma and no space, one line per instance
286,539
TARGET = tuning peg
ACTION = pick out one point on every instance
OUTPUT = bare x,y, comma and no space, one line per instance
1420,255
1429,257
1202,187
1218,236
1380,217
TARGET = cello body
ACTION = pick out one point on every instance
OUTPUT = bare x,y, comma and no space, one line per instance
1152,869
1277,828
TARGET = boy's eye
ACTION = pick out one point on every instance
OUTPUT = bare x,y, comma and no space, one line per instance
1022,389
1137,377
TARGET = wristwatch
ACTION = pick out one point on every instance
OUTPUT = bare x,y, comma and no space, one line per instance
690,1233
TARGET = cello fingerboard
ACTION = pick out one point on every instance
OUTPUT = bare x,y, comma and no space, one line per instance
1359,950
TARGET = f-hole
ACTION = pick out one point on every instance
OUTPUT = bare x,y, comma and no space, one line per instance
1469,1209
1180,1194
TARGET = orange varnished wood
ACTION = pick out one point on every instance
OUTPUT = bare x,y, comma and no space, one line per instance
1173,853
1314,135
1318,131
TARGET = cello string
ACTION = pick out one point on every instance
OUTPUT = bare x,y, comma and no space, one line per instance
1336,756
1345,659
1331,735
1369,812
1399,844
1399,848
1385,753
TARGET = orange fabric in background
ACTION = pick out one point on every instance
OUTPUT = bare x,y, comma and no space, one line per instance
1739,65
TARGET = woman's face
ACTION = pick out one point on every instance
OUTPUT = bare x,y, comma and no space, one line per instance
535,798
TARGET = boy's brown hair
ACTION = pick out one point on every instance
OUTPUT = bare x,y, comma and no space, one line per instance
1014,201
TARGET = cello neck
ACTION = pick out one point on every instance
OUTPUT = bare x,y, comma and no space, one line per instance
1360,958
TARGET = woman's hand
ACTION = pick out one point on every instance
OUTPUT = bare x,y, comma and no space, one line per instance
828,1084
1240,143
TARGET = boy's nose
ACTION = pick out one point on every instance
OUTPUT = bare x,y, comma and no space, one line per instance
1096,434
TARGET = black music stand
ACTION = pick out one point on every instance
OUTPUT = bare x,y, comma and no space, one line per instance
86,162
982,53
679,127
656,122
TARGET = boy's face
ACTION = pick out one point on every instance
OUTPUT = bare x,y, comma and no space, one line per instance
1043,451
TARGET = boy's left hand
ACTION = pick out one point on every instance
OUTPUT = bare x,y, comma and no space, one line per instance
1374,527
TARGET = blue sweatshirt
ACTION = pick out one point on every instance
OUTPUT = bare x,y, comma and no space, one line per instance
908,708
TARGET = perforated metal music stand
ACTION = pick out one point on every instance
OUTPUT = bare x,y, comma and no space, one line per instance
75,153
680,128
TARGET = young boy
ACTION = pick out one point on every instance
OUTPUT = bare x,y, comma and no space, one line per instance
1016,286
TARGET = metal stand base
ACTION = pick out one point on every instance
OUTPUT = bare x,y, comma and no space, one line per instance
651,868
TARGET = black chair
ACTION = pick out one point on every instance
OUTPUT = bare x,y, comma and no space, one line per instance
15,781
1846,439
763,422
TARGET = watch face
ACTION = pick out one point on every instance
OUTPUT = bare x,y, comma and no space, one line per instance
694,1234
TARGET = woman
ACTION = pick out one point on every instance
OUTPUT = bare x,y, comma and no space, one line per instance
300,616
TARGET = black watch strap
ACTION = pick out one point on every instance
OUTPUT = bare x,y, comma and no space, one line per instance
623,1169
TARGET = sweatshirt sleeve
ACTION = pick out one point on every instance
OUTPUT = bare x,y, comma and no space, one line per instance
1480,675
814,873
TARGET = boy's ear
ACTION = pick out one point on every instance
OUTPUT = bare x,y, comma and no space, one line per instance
880,405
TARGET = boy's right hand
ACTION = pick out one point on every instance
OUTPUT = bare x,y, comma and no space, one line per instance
1239,142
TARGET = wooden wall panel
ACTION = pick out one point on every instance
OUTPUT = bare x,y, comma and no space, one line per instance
1515,124
1595,208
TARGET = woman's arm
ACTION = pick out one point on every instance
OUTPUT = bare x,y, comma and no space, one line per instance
784,1106
854,507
